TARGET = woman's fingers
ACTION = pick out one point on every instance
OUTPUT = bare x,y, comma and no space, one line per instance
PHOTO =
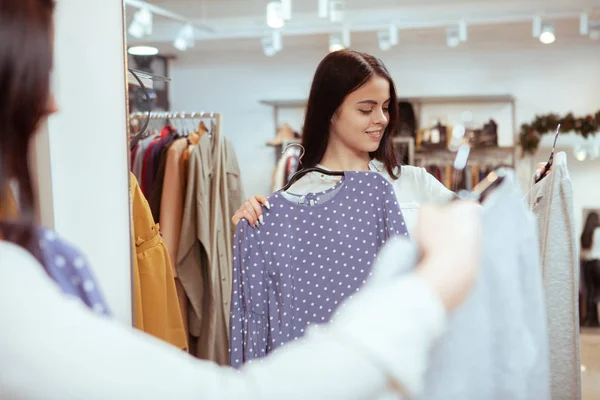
263,200
256,206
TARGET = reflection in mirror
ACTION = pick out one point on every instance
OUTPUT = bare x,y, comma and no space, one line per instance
387,93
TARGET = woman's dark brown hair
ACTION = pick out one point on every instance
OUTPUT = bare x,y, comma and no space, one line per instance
587,236
25,63
339,74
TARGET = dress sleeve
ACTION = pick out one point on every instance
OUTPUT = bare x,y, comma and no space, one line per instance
249,325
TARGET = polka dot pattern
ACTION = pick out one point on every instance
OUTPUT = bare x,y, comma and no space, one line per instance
310,255
67,267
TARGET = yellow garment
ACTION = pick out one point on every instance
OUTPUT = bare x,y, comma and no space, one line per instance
9,209
156,306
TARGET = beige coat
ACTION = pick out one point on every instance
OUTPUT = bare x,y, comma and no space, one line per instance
204,262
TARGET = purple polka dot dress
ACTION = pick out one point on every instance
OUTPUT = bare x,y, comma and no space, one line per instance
313,252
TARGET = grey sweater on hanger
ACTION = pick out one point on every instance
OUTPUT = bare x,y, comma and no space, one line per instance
496,344
551,200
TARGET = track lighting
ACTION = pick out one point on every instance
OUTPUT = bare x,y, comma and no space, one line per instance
536,28
336,10
275,15
452,36
335,43
268,46
141,24
462,31
272,43
388,38
277,40
547,35
584,24
286,9
185,38
323,8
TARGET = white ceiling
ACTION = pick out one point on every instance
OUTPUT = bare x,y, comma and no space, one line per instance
238,24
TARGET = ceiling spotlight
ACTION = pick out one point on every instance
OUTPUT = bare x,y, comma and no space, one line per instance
286,9
536,28
584,24
346,36
141,24
336,10
323,8
277,40
136,29
452,36
268,46
335,43
388,38
383,37
462,31
547,35
274,15
142,51
185,38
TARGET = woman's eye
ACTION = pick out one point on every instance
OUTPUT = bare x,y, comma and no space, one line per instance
366,112
386,109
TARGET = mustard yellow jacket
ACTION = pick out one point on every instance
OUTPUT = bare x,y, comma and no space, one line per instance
156,306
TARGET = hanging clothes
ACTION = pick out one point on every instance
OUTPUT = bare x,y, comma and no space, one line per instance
152,159
171,211
156,306
9,208
496,343
551,200
138,162
156,187
203,262
312,252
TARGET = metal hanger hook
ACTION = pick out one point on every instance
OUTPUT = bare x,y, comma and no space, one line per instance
302,151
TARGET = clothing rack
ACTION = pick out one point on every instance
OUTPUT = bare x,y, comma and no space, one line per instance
217,142
175,115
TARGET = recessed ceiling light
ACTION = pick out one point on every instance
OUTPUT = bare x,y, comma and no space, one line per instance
143,51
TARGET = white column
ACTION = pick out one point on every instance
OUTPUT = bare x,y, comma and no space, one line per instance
86,149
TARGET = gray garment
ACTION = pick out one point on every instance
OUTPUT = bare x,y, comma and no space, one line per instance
496,344
551,200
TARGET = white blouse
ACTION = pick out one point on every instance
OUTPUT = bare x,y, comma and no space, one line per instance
414,186
52,346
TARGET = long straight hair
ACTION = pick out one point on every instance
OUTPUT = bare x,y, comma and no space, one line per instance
25,64
339,74
587,236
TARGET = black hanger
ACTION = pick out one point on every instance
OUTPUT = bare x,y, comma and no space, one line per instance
551,159
303,172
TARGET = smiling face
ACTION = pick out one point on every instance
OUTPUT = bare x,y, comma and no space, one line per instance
360,121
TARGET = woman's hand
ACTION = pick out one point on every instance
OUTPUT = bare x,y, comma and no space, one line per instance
450,239
251,211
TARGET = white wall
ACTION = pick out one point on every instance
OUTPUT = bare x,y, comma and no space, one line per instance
87,144
542,78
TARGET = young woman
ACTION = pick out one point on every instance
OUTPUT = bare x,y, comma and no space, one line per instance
351,115
53,346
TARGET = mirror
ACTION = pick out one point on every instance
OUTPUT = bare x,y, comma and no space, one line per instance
228,84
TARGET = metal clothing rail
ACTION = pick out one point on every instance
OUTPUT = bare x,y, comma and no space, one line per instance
175,115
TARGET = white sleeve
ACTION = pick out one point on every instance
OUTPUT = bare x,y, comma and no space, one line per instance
436,192
52,347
